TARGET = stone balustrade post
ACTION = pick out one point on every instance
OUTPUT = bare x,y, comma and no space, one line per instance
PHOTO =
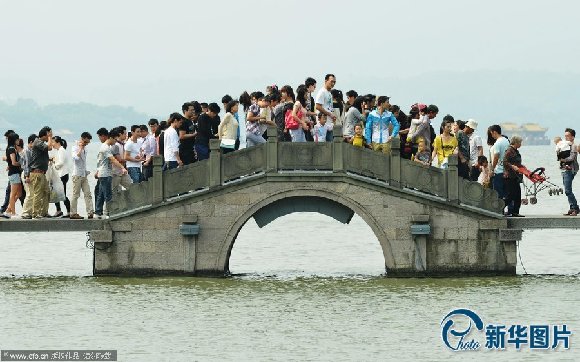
272,150
453,180
215,164
337,150
157,180
395,159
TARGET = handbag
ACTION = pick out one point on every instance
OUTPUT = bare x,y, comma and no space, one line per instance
290,121
55,186
228,143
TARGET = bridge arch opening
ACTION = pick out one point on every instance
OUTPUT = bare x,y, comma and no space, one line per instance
306,232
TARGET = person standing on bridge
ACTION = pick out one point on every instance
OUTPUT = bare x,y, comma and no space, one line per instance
187,134
14,170
27,206
463,152
421,127
254,120
39,190
149,148
569,172
105,163
206,130
500,145
79,178
63,166
475,148
120,175
324,101
511,163
353,117
134,155
228,128
445,144
225,101
171,143
377,126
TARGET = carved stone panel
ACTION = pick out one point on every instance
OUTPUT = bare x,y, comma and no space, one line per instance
423,178
243,162
367,162
305,156
473,194
184,179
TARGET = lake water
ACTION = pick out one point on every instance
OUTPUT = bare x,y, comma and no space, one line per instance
316,294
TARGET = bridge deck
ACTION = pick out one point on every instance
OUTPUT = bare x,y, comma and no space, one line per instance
64,225
544,222
47,225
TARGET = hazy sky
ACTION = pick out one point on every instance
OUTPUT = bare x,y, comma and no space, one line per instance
82,50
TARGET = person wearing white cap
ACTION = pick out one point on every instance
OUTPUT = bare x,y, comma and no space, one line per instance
475,148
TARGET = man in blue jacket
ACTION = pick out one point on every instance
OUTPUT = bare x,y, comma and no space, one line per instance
377,127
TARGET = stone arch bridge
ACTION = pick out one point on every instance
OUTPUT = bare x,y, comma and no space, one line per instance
428,221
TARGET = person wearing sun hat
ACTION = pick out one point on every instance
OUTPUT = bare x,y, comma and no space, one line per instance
475,148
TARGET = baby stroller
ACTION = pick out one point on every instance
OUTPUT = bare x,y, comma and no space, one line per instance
537,182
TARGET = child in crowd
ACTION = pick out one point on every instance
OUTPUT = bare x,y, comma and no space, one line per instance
265,115
416,122
265,111
423,155
358,140
563,149
321,128
484,176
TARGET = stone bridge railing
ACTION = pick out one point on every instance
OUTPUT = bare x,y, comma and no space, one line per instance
336,157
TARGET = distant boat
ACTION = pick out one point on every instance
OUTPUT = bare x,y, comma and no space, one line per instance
532,134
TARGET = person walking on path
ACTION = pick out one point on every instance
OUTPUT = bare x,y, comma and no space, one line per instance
14,170
569,171
27,206
500,145
80,178
511,163
39,190
63,165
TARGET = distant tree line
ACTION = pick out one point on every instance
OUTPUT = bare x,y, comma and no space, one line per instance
28,116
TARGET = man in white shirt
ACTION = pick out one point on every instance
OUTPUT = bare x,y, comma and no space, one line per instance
324,101
105,163
498,152
171,143
475,148
149,148
133,156
79,178
120,175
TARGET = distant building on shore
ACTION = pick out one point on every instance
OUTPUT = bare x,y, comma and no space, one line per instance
532,133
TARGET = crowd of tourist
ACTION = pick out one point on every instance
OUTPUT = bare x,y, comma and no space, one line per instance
305,115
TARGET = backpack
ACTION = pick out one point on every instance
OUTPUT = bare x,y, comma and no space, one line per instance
290,121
